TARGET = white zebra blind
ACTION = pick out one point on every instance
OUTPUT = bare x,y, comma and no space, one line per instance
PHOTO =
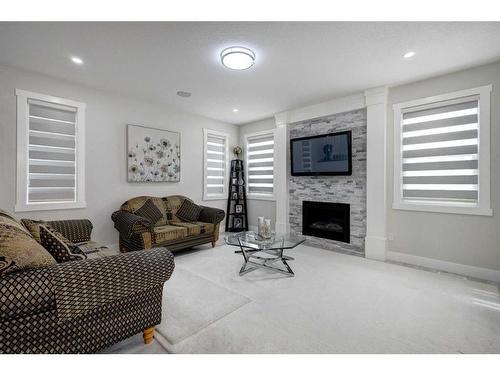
440,152
260,164
215,161
52,152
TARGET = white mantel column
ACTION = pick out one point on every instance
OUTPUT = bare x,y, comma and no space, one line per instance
281,172
376,226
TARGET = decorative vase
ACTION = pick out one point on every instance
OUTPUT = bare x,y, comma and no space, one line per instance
267,228
237,150
260,225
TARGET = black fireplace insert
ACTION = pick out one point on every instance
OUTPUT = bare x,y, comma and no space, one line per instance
326,220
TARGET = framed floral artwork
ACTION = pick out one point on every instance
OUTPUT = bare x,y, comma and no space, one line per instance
153,155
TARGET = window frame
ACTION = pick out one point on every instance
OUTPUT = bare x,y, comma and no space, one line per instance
22,204
260,196
483,206
212,197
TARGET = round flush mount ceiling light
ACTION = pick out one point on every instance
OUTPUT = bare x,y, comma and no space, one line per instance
183,94
409,54
235,110
237,58
77,60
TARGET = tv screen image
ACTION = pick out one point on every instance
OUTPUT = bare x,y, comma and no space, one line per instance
327,154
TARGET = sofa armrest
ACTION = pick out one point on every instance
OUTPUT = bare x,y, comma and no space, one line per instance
76,230
211,215
127,223
82,286
26,293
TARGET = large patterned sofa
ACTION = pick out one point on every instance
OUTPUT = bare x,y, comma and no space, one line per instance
139,231
80,306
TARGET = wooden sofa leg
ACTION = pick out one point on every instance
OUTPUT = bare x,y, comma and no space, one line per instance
148,335
215,237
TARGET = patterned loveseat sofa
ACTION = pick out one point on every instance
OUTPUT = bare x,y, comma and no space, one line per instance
145,222
78,306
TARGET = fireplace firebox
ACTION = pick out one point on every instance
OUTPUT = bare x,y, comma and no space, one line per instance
326,220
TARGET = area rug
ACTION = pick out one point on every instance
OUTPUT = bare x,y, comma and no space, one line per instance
191,303
336,303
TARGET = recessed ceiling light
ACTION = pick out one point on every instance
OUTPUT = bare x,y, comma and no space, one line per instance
184,94
77,60
235,110
237,58
409,55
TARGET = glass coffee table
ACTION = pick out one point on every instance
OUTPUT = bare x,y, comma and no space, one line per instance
259,252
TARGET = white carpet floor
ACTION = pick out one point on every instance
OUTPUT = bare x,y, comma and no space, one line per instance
336,303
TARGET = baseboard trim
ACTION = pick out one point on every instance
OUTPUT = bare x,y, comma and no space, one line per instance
456,268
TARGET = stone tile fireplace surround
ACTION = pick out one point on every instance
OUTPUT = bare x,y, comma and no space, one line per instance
335,189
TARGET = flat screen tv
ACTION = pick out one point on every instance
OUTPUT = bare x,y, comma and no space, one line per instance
326,154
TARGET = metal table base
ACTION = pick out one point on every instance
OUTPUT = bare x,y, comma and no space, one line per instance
253,262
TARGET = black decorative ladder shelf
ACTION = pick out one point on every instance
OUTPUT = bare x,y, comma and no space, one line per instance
236,218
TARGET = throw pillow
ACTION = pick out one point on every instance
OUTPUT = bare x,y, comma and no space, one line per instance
33,226
189,211
150,212
58,246
18,249
132,205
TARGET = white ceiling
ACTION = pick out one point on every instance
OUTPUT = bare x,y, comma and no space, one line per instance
297,63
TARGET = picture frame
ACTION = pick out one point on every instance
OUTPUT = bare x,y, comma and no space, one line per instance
153,155
237,222
238,208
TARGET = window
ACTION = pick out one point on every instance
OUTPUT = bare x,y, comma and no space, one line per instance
260,165
215,164
442,160
50,152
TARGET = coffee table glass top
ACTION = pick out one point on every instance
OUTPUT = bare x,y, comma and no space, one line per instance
251,240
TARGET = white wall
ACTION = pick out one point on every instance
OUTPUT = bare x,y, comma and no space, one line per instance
258,207
107,116
464,239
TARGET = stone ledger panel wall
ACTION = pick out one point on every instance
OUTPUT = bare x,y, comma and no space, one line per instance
338,189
